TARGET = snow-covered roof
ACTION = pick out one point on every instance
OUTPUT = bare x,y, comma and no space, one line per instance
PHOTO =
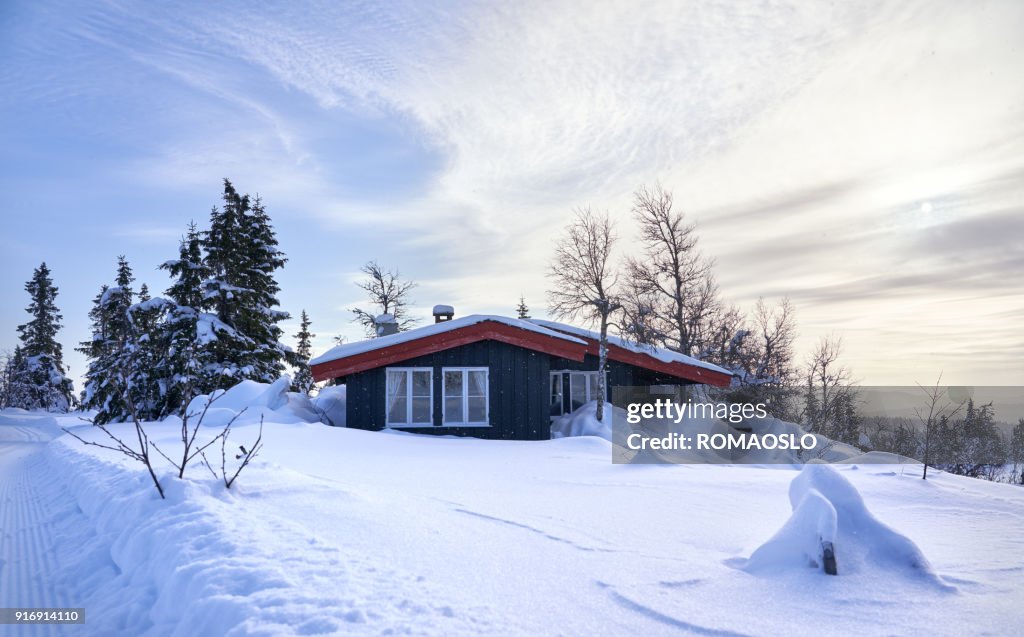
665,355
351,349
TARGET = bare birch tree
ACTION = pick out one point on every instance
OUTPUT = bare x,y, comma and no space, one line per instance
938,410
673,274
585,282
830,406
389,293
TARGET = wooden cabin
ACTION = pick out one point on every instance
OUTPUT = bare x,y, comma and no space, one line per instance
491,376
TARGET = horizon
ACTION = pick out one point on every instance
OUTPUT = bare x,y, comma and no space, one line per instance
865,161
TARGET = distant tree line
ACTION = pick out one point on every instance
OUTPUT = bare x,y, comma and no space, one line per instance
963,438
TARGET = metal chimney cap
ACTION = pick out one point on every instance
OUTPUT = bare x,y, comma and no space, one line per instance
443,313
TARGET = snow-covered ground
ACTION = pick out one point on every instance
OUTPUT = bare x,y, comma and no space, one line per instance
336,530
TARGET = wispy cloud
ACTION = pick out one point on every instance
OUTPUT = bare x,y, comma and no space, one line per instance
862,158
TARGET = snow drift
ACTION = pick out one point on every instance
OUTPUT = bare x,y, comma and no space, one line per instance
330,404
584,422
249,400
828,510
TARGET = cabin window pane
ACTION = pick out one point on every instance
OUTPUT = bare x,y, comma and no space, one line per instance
578,390
477,383
421,384
397,402
555,404
476,395
453,396
421,409
477,409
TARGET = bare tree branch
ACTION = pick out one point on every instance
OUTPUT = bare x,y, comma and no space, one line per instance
389,293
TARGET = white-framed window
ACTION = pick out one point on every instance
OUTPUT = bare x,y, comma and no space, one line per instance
410,396
465,397
582,388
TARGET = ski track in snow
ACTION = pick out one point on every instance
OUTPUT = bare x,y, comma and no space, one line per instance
650,613
28,541
541,532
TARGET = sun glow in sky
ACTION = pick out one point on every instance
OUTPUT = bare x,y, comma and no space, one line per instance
865,159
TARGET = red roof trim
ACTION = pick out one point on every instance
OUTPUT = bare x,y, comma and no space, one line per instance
674,368
496,331
482,331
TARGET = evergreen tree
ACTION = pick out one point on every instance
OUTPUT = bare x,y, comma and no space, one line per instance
184,354
40,365
258,316
188,271
93,347
109,365
522,311
240,289
143,356
303,381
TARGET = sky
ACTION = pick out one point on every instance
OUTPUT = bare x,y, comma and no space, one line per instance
864,159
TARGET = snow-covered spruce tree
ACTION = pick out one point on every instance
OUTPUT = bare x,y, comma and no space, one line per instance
40,368
143,354
585,282
185,355
93,347
107,374
260,316
240,289
303,381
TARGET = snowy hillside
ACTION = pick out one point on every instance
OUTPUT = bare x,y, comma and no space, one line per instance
341,531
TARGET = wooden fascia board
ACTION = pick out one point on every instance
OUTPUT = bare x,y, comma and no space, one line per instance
485,330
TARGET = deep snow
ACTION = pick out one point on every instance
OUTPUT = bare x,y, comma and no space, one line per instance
336,530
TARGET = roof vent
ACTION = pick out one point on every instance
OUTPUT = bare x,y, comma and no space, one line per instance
385,324
443,313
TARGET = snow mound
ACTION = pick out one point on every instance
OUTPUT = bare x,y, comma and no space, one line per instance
249,400
584,422
828,509
330,404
